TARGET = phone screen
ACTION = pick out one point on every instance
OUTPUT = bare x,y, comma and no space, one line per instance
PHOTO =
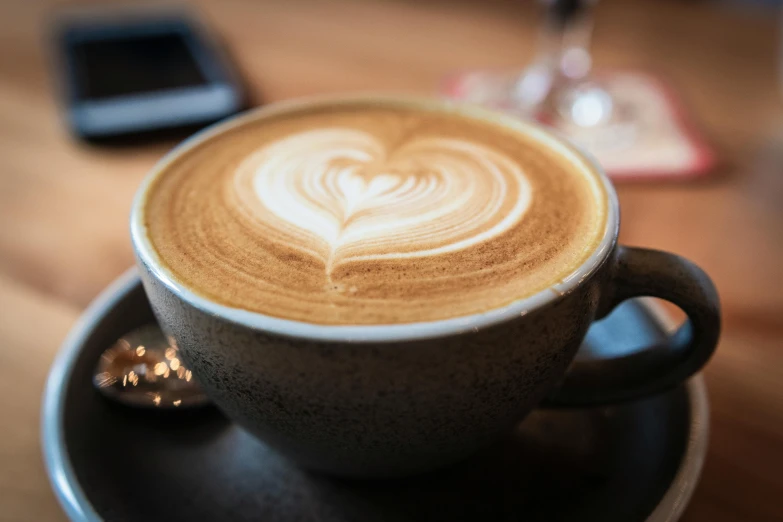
130,65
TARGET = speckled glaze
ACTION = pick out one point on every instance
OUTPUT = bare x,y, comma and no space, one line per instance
379,401
378,409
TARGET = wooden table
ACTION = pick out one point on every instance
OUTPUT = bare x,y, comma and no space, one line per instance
64,205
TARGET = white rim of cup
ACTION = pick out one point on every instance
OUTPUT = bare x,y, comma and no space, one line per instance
383,332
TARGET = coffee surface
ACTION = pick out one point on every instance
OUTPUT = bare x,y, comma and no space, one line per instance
372,213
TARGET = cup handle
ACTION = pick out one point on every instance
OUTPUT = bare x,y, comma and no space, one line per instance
644,272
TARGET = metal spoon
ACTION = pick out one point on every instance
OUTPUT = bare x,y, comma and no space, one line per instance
143,369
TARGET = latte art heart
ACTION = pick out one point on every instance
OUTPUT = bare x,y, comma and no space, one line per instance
340,195
370,213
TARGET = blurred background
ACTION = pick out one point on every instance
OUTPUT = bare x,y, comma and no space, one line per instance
64,200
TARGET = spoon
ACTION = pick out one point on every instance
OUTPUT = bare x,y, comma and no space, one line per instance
145,370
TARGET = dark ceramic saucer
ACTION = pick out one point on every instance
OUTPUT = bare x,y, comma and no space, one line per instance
636,462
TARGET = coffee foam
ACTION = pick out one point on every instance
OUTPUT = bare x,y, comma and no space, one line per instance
340,195
372,214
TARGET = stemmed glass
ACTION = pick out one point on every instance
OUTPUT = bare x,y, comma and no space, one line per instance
558,87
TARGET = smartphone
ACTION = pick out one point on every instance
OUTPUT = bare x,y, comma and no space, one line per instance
127,71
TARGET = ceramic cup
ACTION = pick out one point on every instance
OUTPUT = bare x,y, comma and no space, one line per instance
391,400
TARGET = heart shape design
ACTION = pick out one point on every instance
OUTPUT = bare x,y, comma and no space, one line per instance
339,194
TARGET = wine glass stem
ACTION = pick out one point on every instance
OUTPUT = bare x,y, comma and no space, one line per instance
565,38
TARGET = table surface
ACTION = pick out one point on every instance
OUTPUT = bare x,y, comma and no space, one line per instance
64,204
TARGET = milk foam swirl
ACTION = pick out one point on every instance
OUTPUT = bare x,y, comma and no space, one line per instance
340,194
367,213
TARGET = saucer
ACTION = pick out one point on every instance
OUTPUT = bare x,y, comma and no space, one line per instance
634,462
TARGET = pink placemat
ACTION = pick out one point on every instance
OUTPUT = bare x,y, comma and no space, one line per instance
662,141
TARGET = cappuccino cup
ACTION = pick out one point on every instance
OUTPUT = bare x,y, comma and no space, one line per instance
379,286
